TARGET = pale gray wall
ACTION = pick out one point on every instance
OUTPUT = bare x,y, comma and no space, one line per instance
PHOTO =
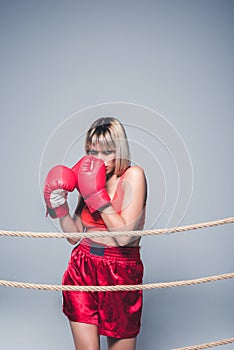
175,57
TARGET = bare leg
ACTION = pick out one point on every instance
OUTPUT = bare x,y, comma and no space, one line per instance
121,344
85,336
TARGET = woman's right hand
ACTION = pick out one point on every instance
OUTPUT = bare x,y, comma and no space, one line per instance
58,182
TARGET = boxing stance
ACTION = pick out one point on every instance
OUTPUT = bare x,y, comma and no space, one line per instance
112,197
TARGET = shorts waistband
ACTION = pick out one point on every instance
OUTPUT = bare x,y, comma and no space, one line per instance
90,247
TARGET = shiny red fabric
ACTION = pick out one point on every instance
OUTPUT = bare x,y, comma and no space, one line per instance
117,314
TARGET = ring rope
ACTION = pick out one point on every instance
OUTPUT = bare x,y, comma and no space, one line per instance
117,287
208,345
93,234
126,287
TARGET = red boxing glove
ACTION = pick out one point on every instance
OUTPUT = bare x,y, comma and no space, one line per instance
75,170
91,182
59,180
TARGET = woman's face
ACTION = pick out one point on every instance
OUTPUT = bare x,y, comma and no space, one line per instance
107,155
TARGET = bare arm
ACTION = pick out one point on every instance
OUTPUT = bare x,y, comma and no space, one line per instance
134,188
69,224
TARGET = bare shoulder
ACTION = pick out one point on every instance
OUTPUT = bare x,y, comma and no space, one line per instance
134,178
134,172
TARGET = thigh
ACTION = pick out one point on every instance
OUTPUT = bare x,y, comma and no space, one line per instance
121,344
85,336
80,306
120,311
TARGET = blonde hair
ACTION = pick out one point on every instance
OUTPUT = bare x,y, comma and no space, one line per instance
109,133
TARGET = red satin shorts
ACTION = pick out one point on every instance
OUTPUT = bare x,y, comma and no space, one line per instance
117,314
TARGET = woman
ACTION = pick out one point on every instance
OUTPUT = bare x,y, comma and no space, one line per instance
112,199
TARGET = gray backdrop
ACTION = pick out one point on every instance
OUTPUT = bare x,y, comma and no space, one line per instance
174,57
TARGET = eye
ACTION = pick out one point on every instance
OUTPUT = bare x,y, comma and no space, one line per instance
92,152
108,152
